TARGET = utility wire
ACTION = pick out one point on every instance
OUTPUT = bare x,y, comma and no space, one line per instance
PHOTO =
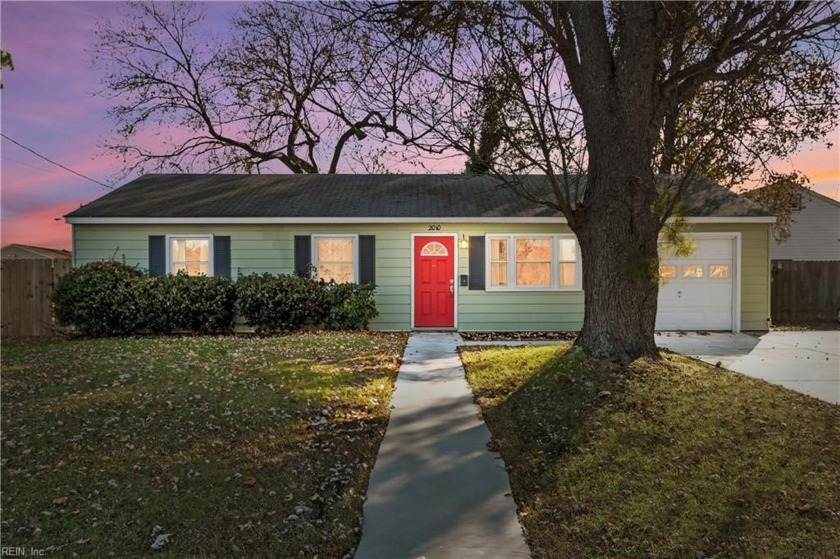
55,163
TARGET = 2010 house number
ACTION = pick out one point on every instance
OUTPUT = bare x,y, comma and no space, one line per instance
434,227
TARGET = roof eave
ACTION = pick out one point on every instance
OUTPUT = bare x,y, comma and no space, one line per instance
360,220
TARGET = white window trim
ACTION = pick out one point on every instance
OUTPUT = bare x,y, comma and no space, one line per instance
355,238
511,263
210,248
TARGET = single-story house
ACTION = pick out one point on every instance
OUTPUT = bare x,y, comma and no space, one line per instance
806,265
814,229
445,251
16,251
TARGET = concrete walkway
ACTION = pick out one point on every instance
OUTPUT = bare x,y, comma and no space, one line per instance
436,491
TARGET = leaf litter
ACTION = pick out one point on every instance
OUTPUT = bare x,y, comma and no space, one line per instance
141,432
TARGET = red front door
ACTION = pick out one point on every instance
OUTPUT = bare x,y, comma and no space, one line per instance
434,282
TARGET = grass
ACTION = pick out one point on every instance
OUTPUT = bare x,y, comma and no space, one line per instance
670,458
234,447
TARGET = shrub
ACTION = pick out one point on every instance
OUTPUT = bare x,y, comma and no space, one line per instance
350,306
162,305
277,303
112,299
211,305
205,305
99,299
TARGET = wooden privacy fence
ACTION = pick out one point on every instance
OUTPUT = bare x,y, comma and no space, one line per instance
803,291
26,305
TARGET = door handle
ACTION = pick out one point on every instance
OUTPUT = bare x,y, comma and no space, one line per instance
452,287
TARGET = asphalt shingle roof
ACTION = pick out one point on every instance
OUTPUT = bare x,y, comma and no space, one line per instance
358,196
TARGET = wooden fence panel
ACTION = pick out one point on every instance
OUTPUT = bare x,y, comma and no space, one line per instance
803,291
26,298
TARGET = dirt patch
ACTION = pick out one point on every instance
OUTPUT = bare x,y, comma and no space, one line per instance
806,325
516,336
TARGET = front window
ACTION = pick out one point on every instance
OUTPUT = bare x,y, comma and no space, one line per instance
499,262
567,262
190,255
533,262
523,262
335,258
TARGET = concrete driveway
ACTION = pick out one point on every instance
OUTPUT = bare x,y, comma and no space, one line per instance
808,362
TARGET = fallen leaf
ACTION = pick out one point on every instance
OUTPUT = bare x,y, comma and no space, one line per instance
160,541
59,500
249,481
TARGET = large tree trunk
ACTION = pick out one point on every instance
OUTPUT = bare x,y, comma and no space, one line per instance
616,228
619,253
618,240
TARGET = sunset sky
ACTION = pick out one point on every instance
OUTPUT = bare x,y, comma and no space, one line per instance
50,104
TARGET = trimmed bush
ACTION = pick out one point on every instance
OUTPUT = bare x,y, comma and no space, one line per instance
211,305
163,305
112,299
350,306
99,299
279,303
200,304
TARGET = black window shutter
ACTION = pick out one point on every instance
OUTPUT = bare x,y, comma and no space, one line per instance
221,256
303,254
477,263
157,255
367,259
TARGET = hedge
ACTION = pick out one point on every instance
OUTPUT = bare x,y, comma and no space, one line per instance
111,299
289,302
200,304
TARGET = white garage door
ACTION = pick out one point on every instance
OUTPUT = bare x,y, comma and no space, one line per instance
698,292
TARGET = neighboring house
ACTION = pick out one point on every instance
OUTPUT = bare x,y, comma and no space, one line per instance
445,251
26,252
814,230
806,265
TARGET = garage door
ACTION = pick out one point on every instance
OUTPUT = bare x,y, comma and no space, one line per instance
698,292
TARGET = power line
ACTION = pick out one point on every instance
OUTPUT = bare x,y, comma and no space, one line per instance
55,163
7,158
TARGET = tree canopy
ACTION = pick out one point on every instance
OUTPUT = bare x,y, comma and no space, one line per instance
6,62
290,87
600,97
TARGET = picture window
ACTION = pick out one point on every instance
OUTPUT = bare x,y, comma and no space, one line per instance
533,262
191,255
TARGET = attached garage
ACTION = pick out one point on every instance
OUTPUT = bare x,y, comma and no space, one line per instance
701,291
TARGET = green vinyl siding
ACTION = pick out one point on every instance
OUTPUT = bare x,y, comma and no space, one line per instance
270,248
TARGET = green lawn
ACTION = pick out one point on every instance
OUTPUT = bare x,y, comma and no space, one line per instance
233,446
671,459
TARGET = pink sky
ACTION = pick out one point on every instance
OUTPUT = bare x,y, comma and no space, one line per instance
49,103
